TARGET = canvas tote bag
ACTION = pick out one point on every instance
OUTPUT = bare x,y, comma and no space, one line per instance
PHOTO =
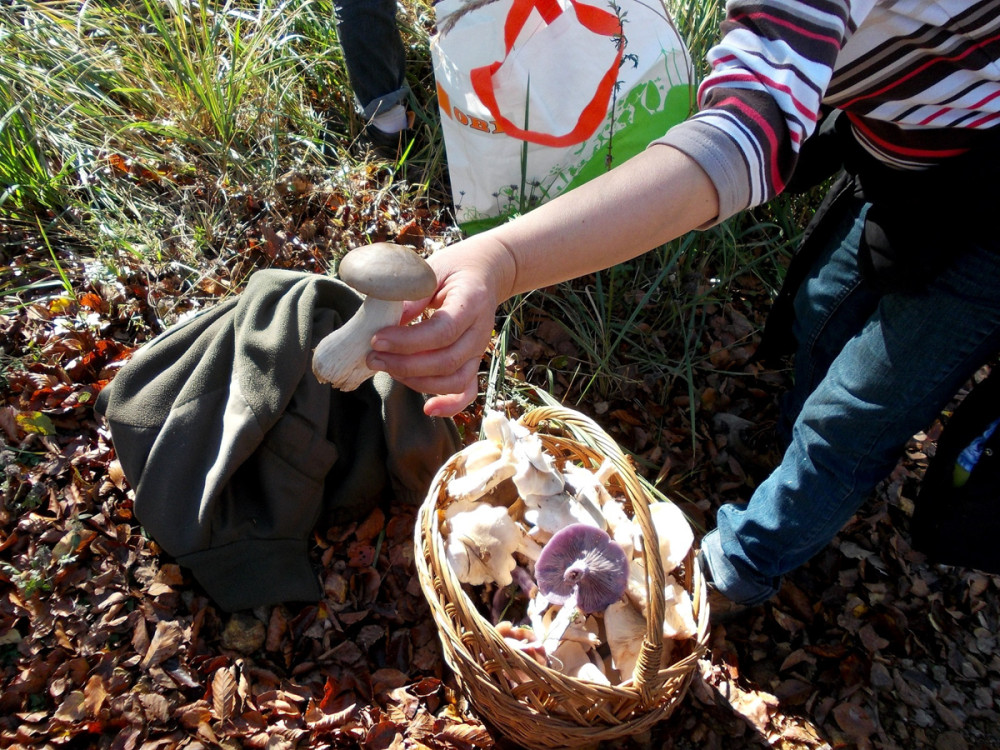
538,96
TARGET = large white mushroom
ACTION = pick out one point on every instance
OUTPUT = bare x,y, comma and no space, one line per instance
387,275
480,543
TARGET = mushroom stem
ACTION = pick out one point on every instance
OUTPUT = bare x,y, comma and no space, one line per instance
567,614
524,581
339,358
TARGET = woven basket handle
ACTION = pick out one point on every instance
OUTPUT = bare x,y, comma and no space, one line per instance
587,431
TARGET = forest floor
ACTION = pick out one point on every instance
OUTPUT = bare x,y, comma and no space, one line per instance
106,642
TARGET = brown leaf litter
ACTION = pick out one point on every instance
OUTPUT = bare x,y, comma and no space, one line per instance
107,643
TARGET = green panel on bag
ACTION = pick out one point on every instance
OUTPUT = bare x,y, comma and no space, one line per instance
646,126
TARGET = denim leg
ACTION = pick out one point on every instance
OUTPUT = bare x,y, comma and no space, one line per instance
907,356
374,53
831,306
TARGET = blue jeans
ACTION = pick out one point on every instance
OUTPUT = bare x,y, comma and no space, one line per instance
374,54
871,370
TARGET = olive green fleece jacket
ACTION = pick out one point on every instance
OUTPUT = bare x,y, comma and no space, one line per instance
235,451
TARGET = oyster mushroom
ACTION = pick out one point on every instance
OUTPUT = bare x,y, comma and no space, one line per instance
573,659
678,615
387,275
675,537
636,586
582,569
673,533
555,512
536,474
576,500
480,543
623,529
678,611
588,486
487,462
625,628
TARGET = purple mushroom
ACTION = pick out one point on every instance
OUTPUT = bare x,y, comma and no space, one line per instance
581,566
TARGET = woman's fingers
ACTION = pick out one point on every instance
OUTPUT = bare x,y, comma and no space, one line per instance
452,404
426,353
439,355
440,330
451,372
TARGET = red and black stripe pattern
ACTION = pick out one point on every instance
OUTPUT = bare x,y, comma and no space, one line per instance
919,81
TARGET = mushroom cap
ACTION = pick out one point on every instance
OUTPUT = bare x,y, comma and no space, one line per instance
387,271
583,559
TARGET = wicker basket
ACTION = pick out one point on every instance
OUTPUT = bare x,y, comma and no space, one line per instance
534,705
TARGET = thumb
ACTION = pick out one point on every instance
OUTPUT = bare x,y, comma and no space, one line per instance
413,310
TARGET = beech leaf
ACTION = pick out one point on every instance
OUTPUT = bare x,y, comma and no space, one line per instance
166,640
36,422
224,693
854,720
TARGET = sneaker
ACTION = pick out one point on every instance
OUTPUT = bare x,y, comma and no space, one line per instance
721,608
390,145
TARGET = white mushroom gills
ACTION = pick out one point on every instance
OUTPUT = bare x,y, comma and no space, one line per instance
388,275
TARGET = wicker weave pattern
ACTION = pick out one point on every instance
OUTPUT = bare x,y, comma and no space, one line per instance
534,705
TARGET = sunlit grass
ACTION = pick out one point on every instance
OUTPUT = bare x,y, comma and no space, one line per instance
143,126
161,133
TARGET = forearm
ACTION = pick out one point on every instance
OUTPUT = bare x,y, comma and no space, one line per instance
658,195
653,198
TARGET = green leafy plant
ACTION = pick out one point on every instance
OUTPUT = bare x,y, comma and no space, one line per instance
34,578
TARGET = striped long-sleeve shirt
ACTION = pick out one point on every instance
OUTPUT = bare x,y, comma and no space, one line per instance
918,79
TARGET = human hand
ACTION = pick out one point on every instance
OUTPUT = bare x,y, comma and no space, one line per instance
441,354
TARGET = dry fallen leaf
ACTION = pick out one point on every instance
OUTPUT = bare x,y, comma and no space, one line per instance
223,694
855,720
165,643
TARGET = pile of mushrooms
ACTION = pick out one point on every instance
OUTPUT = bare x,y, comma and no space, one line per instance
554,557
388,275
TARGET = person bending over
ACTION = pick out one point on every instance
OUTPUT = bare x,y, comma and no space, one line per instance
900,303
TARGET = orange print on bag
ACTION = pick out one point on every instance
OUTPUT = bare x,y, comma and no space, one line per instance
476,123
